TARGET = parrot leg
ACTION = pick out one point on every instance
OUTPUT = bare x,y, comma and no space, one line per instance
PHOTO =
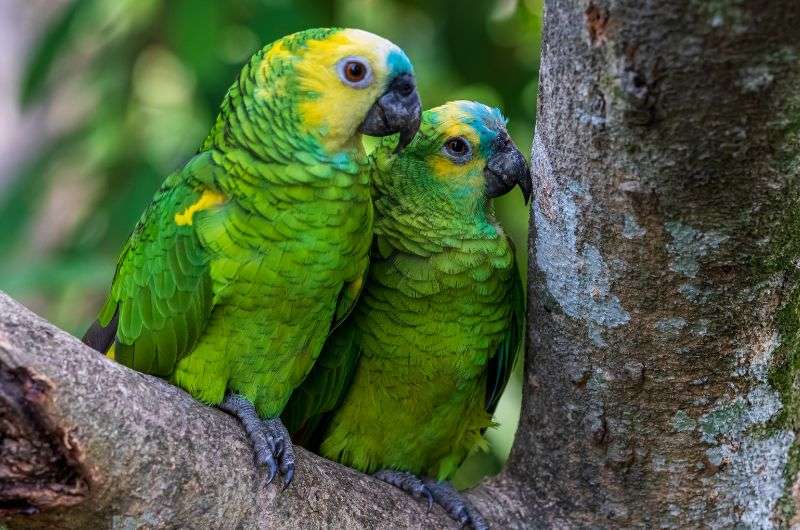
270,439
442,493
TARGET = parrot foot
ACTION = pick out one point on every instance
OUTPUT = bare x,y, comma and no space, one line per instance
455,504
271,442
442,493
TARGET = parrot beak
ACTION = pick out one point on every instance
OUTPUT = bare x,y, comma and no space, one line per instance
398,110
506,168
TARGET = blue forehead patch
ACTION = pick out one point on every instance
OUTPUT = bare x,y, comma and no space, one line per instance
398,63
486,121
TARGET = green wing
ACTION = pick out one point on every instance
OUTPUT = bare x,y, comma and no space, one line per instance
161,296
502,363
325,387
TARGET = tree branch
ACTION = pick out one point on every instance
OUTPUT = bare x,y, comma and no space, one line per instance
88,443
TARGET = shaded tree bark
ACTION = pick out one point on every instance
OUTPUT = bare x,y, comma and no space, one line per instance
660,381
663,288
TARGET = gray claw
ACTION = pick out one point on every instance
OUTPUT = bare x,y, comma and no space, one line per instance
288,475
273,470
270,439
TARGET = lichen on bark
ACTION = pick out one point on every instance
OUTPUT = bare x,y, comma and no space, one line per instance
784,374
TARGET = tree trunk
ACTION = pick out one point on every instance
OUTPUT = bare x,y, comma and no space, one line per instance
664,301
664,246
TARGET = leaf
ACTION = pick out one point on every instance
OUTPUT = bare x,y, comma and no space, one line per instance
53,40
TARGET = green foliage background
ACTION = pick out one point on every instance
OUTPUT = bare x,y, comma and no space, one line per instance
135,85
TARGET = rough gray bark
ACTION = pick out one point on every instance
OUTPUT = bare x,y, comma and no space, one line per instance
662,290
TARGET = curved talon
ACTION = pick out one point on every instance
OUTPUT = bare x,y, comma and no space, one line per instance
288,475
287,468
273,470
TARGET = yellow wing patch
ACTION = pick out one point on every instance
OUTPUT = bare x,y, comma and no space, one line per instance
111,352
208,199
355,287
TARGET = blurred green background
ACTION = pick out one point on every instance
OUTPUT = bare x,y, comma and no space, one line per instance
106,97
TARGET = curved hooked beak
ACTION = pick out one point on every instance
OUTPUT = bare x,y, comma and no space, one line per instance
397,110
506,168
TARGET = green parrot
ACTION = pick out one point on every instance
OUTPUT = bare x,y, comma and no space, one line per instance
407,385
236,272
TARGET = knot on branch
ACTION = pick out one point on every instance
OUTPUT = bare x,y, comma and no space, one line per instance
596,23
40,464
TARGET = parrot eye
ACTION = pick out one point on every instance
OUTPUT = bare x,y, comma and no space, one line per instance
457,149
354,72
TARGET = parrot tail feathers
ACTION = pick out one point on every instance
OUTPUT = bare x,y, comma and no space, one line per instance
101,337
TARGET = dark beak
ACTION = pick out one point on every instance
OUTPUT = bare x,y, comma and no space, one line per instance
398,110
506,168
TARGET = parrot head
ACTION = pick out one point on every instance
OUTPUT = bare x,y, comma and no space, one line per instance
314,93
337,83
462,156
